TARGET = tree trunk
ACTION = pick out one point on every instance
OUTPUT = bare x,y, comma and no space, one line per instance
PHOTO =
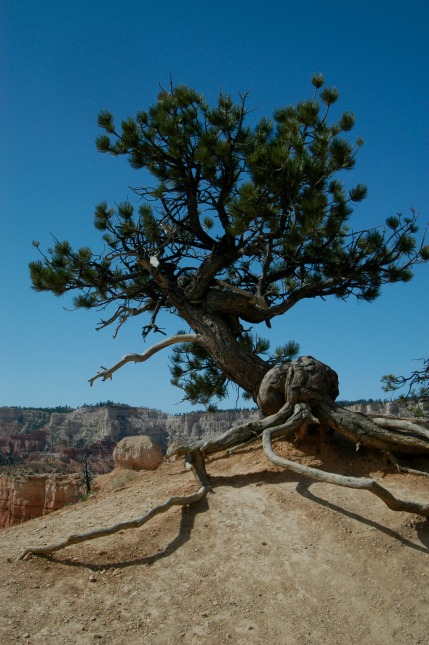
243,367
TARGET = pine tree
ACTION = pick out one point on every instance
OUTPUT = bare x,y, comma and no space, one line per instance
241,223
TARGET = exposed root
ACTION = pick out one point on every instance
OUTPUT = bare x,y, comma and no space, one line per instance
308,390
401,425
405,469
363,483
182,500
243,445
382,435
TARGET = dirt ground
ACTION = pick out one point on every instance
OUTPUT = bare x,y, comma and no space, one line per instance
267,557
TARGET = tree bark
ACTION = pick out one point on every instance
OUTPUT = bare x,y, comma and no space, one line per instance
243,367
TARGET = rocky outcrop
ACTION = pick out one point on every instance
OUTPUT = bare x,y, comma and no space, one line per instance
402,409
94,431
89,425
138,453
61,439
24,496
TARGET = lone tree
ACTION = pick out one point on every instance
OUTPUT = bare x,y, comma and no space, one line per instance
241,223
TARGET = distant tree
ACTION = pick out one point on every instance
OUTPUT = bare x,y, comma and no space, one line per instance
86,473
417,382
241,223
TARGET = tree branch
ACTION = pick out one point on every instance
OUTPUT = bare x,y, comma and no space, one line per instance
106,373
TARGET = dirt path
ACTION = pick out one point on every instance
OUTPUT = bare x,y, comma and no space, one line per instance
267,558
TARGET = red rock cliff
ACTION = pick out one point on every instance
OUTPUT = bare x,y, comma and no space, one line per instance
25,496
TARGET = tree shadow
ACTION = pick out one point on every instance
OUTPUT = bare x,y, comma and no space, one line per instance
187,521
303,488
422,530
422,527
258,478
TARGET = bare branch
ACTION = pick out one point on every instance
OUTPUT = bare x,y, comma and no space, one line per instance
106,373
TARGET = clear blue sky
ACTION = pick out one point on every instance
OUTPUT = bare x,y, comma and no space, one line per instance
61,62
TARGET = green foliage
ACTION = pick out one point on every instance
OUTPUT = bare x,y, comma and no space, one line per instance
253,218
193,370
417,382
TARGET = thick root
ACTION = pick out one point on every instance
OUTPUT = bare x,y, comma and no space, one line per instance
385,434
363,483
198,467
307,380
402,425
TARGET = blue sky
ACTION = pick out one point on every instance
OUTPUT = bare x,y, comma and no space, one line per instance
61,63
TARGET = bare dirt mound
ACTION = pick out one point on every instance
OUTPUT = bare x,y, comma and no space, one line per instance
267,558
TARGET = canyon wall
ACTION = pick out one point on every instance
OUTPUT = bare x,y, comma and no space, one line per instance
25,495
42,452
32,435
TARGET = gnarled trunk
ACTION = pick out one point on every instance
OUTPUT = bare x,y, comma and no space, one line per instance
243,367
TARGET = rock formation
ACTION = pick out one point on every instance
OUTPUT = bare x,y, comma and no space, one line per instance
25,495
138,453
44,436
60,440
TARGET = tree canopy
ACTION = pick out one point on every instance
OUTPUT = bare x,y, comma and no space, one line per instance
243,220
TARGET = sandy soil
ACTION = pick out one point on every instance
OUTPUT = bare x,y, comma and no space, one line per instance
266,558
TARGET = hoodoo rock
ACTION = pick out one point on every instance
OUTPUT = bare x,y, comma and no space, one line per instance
138,453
